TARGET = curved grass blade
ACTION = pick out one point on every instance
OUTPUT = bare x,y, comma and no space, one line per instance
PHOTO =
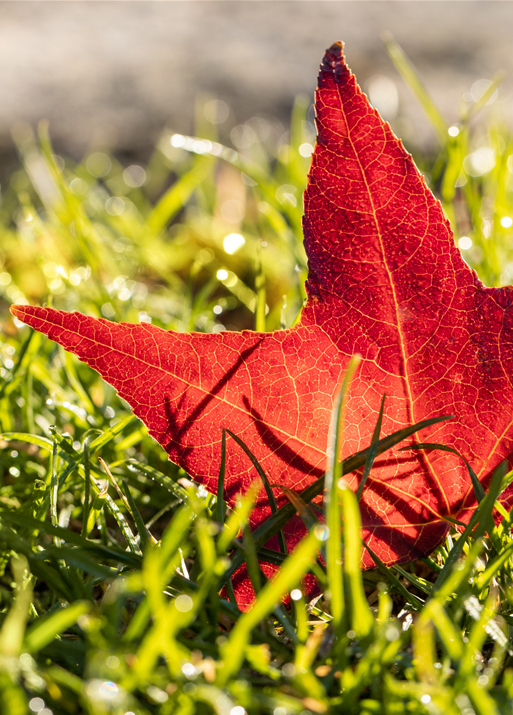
144,534
96,445
420,584
130,505
127,532
251,560
265,480
220,511
7,387
54,488
487,94
304,510
238,518
109,434
476,484
162,479
41,442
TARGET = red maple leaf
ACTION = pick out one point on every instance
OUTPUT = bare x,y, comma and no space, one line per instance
385,281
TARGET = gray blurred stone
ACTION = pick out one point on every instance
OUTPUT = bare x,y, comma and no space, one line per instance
115,73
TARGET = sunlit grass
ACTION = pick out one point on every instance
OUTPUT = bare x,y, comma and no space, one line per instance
110,571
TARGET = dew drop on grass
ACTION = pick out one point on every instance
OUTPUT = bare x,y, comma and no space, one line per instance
306,149
232,242
188,670
183,603
216,111
321,532
36,704
134,176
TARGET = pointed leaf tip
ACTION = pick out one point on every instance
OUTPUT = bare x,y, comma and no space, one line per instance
24,313
333,56
337,48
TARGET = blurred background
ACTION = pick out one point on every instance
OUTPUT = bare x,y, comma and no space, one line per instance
153,155
114,74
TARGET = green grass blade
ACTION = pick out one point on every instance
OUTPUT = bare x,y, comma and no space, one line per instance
331,501
362,621
54,489
484,578
220,503
41,442
372,452
176,197
252,560
176,489
260,294
392,580
109,434
17,366
45,630
13,626
144,535
410,75
68,536
496,81
476,484
265,480
87,488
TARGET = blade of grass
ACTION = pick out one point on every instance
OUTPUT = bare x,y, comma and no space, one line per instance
415,602
175,197
410,75
260,293
476,484
362,621
265,480
154,474
331,501
45,630
371,454
220,503
17,366
87,488
54,489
